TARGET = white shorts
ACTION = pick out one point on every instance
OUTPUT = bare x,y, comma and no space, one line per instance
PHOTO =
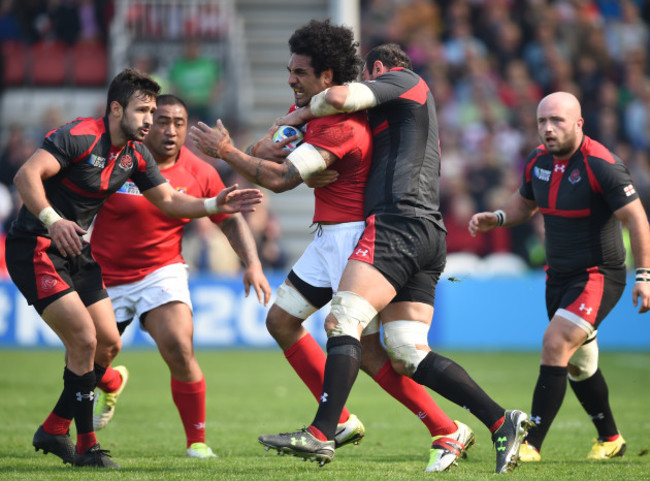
322,263
162,286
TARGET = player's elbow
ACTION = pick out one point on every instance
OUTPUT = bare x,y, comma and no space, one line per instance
336,97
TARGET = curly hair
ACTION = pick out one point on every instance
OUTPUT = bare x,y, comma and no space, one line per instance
391,55
130,82
329,46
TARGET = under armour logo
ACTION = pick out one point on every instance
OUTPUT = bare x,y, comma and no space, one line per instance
90,396
597,416
536,419
585,308
422,415
323,398
112,156
560,167
199,426
362,252
501,441
301,439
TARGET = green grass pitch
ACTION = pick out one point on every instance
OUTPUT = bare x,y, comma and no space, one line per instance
256,392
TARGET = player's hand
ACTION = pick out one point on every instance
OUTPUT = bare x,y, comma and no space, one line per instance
295,118
274,151
66,236
253,276
482,222
211,141
321,179
231,199
641,296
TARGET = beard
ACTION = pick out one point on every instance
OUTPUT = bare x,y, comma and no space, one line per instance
129,132
561,150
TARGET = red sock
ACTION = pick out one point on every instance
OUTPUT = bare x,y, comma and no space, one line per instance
495,427
317,433
56,425
416,398
111,380
189,398
85,441
308,360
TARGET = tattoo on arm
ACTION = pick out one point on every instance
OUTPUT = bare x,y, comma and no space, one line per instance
258,172
290,174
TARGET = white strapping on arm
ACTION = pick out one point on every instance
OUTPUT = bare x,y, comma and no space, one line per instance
48,216
360,97
307,160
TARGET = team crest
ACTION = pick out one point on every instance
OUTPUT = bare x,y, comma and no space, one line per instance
629,190
574,178
48,282
126,162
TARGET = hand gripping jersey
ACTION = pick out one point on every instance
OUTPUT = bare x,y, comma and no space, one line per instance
577,197
405,173
348,137
132,238
91,170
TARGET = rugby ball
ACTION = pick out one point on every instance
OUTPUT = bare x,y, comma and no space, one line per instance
285,131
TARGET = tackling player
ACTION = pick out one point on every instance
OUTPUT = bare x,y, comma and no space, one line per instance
322,56
584,193
146,277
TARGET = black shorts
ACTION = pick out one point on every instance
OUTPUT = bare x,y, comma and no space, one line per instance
409,252
43,275
589,294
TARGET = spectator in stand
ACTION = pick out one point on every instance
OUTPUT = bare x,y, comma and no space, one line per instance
198,80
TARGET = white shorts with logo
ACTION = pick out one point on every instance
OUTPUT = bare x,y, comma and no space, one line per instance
324,259
162,286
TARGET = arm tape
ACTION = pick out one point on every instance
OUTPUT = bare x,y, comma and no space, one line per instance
48,216
319,106
359,98
307,160
211,206
501,217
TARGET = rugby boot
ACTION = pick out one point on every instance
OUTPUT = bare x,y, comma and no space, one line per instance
602,450
104,407
59,444
95,457
508,438
302,444
446,449
351,431
200,450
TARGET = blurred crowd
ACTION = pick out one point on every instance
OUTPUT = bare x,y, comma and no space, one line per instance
489,62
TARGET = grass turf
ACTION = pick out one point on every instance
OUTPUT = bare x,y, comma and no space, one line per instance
256,392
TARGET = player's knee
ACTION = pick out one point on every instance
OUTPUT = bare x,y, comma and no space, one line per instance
350,313
292,302
584,362
407,345
373,354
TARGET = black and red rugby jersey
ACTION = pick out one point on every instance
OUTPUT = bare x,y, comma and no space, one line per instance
91,170
405,172
577,197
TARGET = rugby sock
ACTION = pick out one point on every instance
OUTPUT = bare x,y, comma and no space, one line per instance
341,369
593,394
308,360
416,398
99,372
547,399
110,381
451,381
55,424
80,392
189,398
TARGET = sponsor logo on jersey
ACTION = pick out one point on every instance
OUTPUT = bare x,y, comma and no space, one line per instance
48,282
542,174
559,168
112,156
574,178
586,309
126,162
97,161
361,252
129,188
629,190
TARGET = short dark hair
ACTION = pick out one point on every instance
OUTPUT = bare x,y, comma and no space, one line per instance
329,46
169,99
390,54
128,82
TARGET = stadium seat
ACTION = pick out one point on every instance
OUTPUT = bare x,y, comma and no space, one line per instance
504,264
89,63
462,264
14,55
49,63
